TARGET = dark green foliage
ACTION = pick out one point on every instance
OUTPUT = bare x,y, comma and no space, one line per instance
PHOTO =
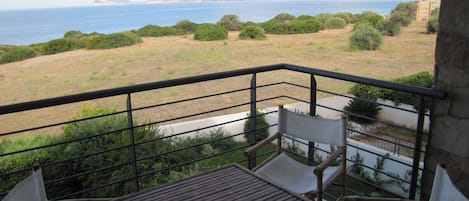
335,23
422,79
366,107
74,34
113,40
323,17
432,23
186,26
208,32
262,127
371,17
388,27
249,23
292,27
404,13
17,53
252,32
157,31
284,17
61,45
365,37
230,22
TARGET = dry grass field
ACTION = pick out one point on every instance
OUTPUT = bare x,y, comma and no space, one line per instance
165,58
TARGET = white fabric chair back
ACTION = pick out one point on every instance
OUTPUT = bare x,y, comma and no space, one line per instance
30,189
314,129
443,189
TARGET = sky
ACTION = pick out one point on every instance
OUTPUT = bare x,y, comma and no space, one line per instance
27,4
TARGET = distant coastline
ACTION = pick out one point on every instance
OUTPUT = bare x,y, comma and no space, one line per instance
117,2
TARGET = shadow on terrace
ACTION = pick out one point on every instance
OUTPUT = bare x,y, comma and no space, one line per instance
120,141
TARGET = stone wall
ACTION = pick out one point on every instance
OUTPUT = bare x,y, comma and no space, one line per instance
450,118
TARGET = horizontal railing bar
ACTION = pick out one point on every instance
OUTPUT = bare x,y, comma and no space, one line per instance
88,172
64,142
380,139
192,161
18,107
429,92
61,123
351,97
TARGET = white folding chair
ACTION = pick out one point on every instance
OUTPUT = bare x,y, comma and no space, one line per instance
293,175
30,189
443,188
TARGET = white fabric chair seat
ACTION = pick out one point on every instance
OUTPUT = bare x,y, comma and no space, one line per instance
443,189
292,175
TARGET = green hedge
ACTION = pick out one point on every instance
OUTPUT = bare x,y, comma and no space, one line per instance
61,45
17,53
252,32
371,17
292,27
284,17
158,31
186,26
404,13
208,32
113,40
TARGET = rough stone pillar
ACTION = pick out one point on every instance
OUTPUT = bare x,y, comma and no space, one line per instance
449,142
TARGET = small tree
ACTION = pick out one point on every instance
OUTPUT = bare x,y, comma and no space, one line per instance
284,17
230,22
404,13
371,17
262,127
432,23
365,37
252,32
364,105
186,26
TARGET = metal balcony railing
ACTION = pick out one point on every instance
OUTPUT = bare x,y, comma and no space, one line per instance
136,168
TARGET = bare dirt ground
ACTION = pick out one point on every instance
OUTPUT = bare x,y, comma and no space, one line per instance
172,57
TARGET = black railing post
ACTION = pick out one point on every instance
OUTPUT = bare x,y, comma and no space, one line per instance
132,141
417,148
252,118
312,112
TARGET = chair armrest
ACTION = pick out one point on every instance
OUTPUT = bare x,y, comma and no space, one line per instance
321,167
249,151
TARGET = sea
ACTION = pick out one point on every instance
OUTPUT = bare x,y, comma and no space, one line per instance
23,27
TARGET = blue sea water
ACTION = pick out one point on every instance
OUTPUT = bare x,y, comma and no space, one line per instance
20,27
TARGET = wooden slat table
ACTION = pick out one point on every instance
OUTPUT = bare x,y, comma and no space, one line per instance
231,182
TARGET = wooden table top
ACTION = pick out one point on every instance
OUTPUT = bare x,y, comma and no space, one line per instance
231,182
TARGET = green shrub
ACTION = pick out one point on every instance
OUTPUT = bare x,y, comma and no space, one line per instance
186,26
284,17
335,23
371,17
432,23
61,45
262,127
252,32
74,34
230,22
388,27
250,23
404,13
208,32
365,37
348,17
157,31
368,108
17,53
323,17
113,40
